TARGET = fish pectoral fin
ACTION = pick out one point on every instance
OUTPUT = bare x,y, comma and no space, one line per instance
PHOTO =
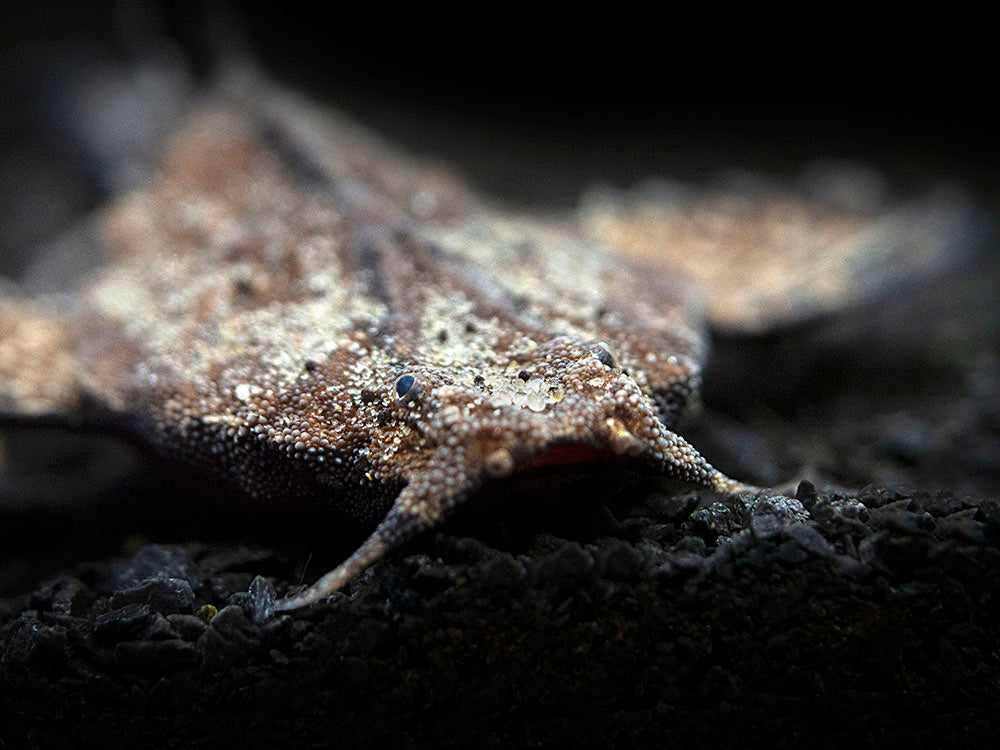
407,518
682,461
39,368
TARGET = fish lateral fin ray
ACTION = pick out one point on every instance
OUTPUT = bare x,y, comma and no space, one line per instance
684,462
402,523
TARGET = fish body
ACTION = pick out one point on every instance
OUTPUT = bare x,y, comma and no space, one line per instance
316,318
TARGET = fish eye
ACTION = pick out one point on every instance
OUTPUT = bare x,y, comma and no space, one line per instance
406,387
603,353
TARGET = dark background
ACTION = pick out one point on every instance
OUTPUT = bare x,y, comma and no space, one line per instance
532,109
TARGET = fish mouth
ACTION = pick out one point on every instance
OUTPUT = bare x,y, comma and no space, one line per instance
570,455
562,489
612,444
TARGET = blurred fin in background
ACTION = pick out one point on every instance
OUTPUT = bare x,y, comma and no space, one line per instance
767,254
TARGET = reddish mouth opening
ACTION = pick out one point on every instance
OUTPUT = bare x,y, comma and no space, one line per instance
567,455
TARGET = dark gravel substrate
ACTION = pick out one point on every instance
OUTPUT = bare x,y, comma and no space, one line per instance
875,621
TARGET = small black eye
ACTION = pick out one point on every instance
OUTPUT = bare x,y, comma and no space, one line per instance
243,287
406,387
603,353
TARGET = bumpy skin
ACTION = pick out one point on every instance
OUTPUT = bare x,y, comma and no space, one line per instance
301,310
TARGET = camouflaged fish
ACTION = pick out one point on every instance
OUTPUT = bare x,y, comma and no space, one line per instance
303,311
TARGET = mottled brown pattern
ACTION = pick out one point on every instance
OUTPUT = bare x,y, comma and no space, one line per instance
764,255
38,368
319,319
